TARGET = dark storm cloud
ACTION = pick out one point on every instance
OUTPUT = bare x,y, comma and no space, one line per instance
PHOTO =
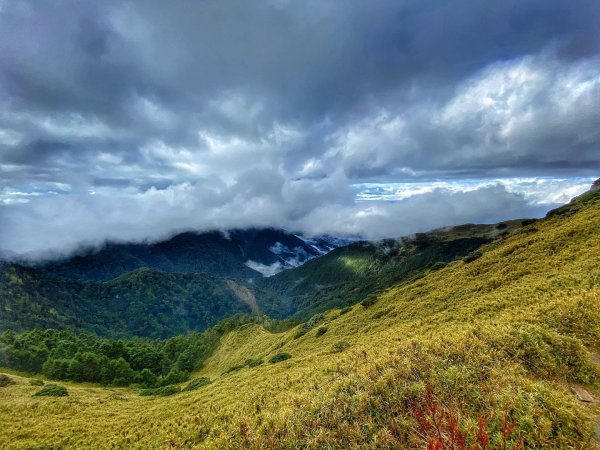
282,105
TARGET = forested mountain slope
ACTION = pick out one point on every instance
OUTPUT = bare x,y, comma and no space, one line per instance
482,353
141,303
217,254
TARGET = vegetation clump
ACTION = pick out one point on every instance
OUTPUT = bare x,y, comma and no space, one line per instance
163,391
369,301
283,356
197,383
5,380
52,390
310,324
339,347
321,331
472,256
345,310
254,362
36,382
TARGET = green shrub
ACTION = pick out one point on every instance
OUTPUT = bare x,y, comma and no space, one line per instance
380,314
163,391
369,301
234,368
36,382
197,383
314,320
472,256
345,310
279,357
321,331
301,332
254,362
310,324
5,380
438,265
52,390
340,347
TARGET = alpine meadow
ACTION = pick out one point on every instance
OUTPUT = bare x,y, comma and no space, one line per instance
300,225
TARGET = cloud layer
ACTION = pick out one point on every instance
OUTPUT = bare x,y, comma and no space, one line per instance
132,120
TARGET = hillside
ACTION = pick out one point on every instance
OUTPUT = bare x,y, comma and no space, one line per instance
150,303
218,254
481,353
358,271
141,303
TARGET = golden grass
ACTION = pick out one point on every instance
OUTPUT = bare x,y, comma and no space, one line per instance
502,335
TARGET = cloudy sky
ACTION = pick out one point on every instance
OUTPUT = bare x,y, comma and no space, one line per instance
131,120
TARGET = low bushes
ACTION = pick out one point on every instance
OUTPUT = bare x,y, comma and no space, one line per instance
310,324
345,310
340,347
321,331
279,357
254,362
52,390
472,256
197,383
5,380
247,363
164,391
369,301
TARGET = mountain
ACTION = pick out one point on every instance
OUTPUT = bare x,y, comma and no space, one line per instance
143,302
496,350
153,303
237,254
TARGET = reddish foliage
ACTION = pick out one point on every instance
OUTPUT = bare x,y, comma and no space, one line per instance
439,427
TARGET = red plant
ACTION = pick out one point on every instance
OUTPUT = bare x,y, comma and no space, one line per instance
439,428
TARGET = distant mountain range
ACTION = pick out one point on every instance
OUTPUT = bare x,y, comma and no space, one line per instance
238,254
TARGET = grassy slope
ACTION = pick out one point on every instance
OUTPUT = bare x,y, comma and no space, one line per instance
349,274
502,336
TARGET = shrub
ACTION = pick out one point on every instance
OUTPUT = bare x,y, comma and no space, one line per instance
163,391
254,362
197,383
472,256
314,320
311,323
279,357
321,331
36,382
52,390
345,310
301,332
382,313
234,368
369,301
5,380
438,265
340,347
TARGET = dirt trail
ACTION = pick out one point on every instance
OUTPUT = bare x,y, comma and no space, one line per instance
595,405
244,294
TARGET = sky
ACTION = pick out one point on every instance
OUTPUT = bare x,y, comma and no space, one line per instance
134,120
